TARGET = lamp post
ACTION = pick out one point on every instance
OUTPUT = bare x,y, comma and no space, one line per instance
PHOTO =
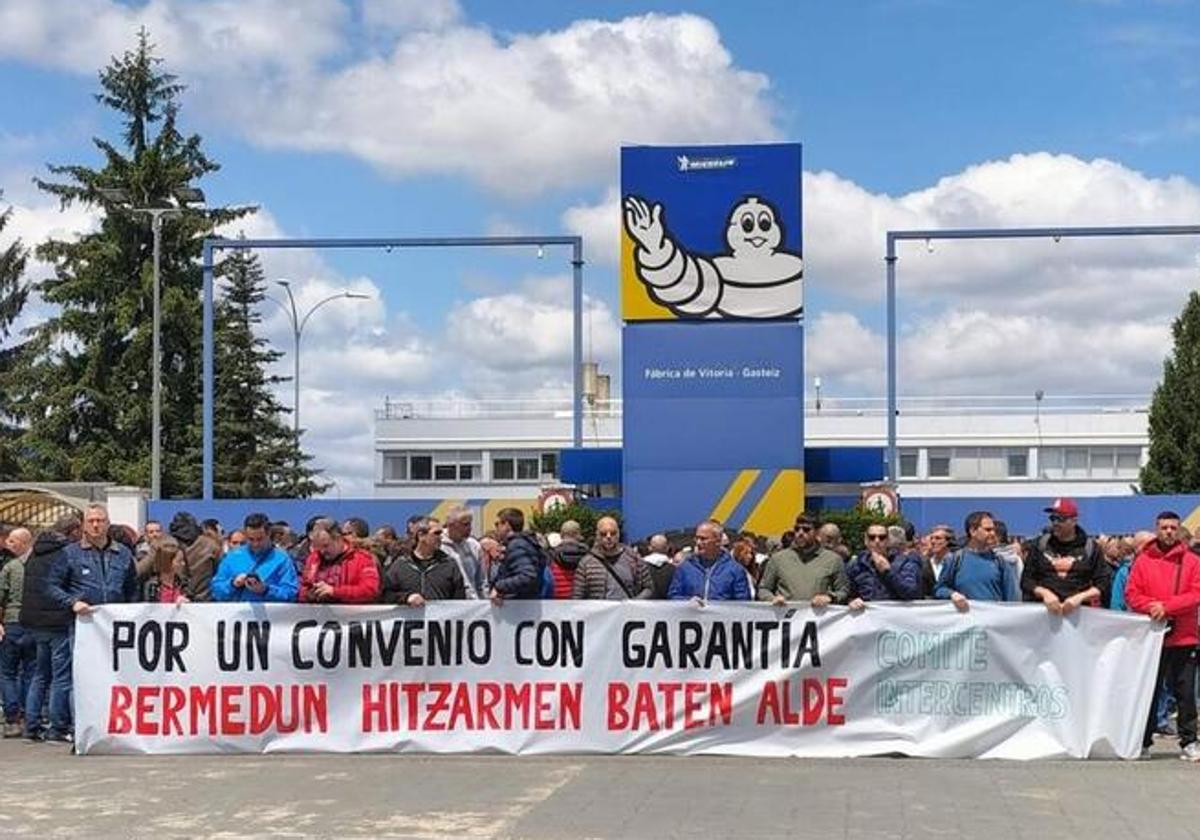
121,198
298,323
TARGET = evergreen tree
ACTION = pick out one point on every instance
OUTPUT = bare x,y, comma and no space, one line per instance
1174,462
13,293
87,390
257,453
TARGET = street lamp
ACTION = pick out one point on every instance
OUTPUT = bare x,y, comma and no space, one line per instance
185,197
298,323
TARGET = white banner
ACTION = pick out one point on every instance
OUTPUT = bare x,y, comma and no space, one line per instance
1001,681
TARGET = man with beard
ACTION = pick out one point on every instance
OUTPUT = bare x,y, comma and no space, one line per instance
805,571
1065,568
611,571
1164,584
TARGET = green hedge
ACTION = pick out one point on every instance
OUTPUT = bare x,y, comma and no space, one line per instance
551,521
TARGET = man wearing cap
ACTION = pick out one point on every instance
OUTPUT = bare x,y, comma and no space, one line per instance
1065,568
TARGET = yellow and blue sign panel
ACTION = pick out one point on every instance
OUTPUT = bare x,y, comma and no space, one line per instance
711,232
713,425
713,343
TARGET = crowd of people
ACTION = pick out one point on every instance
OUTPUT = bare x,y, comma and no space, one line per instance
80,563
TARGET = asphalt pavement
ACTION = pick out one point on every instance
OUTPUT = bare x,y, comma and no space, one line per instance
47,792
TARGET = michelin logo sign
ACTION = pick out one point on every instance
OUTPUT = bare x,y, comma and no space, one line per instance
726,244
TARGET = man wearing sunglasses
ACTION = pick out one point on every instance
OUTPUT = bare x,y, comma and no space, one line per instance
804,571
426,574
1065,568
878,574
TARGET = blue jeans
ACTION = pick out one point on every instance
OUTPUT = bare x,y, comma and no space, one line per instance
18,653
53,668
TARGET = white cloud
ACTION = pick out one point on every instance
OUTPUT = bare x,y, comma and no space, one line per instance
395,16
525,114
529,330
600,226
200,37
519,113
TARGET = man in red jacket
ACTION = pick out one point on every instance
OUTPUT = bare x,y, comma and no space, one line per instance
1164,584
335,572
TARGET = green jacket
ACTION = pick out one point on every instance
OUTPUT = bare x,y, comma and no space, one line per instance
12,584
799,577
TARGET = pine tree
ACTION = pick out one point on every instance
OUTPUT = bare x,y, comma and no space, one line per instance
87,388
1174,462
257,454
13,293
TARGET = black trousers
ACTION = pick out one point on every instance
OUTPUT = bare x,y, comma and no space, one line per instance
1178,667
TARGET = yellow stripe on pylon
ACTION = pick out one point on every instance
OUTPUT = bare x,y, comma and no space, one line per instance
733,495
439,512
777,509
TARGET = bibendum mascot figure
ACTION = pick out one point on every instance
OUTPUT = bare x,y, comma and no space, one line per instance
755,279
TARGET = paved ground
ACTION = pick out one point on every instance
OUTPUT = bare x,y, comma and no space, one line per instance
46,792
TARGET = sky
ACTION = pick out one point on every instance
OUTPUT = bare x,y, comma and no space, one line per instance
453,118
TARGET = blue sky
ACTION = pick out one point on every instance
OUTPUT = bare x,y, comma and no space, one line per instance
397,117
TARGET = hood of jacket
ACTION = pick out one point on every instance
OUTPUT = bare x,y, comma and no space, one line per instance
184,528
48,542
570,552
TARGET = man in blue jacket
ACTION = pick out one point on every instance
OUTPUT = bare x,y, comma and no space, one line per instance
977,572
709,573
257,570
87,574
879,575
93,571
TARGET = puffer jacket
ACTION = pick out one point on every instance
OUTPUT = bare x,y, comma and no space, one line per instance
38,611
904,581
593,582
354,576
520,575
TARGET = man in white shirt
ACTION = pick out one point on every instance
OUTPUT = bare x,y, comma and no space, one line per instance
464,549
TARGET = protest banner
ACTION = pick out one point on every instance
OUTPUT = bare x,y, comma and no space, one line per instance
922,679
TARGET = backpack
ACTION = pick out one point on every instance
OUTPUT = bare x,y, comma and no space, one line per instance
1089,545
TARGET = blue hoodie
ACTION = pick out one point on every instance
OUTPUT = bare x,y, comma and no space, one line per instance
274,567
723,580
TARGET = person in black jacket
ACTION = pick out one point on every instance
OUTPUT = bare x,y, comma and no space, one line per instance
520,575
1065,569
427,574
48,623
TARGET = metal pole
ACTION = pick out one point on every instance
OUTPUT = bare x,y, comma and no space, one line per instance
214,243
892,471
207,363
577,379
156,372
1056,234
